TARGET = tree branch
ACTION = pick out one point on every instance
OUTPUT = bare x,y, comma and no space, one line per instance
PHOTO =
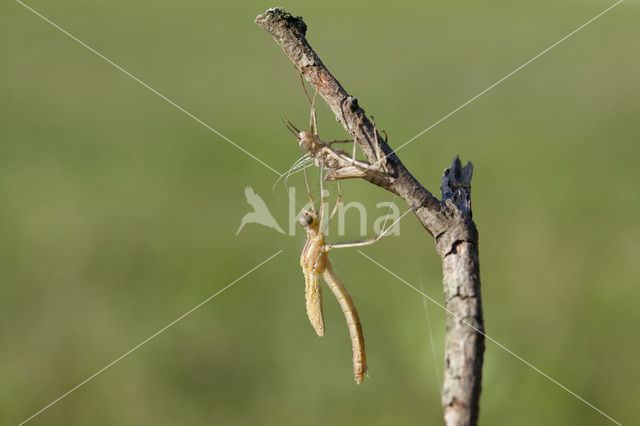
448,221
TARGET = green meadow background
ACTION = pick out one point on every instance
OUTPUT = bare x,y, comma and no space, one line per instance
118,212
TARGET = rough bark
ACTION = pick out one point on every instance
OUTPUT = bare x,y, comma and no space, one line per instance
448,220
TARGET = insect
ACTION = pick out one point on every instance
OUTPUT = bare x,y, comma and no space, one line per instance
315,263
314,259
341,165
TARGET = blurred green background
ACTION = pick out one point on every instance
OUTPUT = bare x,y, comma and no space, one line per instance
118,212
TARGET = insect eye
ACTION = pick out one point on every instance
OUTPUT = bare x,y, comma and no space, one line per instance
305,220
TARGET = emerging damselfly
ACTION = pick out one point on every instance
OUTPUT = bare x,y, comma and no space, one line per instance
314,259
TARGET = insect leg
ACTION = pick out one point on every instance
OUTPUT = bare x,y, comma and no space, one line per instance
379,154
367,242
313,120
306,184
304,87
322,198
332,141
335,208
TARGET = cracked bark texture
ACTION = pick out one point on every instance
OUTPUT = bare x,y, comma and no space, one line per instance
448,220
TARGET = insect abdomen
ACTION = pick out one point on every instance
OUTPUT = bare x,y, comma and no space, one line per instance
360,368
